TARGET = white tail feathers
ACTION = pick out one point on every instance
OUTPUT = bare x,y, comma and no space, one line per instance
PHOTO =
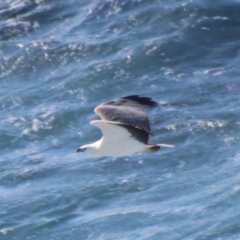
166,145
156,147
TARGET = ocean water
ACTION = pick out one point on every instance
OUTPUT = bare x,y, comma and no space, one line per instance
60,59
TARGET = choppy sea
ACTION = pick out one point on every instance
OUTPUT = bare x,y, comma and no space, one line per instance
59,59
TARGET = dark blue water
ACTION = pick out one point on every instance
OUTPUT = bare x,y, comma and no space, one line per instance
59,59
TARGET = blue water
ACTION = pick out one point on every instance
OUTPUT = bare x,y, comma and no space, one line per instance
59,59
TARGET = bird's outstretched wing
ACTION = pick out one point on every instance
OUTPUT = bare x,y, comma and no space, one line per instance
119,132
129,110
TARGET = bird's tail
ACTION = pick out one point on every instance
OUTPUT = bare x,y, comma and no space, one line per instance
156,147
166,145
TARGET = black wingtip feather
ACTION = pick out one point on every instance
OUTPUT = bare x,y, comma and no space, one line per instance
142,100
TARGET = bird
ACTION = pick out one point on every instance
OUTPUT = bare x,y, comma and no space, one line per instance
125,128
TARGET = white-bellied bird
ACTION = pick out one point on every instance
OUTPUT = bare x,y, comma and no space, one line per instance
125,128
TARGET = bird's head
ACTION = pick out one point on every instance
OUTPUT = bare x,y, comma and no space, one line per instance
82,149
89,148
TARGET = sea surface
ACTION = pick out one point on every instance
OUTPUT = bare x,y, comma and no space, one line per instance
59,59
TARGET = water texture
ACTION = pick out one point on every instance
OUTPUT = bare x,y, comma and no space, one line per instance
59,59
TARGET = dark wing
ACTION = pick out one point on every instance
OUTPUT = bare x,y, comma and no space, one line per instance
133,101
128,110
137,133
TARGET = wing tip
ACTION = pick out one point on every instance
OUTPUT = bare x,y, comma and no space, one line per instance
147,101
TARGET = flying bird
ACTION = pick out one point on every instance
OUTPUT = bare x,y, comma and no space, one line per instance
125,128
